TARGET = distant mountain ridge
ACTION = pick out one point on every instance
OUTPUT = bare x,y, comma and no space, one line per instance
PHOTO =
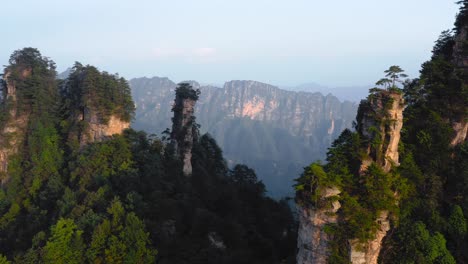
344,93
277,132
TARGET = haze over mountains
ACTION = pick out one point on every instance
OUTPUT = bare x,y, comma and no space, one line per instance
277,132
344,93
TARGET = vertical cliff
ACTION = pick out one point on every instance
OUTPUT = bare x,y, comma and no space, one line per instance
184,128
13,123
313,240
460,59
346,206
28,88
97,129
379,121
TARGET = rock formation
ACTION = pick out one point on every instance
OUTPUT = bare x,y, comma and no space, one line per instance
97,129
184,128
380,119
379,122
14,123
460,59
312,240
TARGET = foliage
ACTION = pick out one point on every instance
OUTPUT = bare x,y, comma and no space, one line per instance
433,226
393,75
90,96
185,91
65,244
4,260
418,245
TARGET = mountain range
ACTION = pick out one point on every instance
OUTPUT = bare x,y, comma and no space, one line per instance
274,131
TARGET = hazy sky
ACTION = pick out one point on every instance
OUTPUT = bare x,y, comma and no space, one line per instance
283,42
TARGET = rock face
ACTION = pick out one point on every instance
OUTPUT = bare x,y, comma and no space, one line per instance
460,58
98,130
184,130
12,131
461,131
312,240
274,131
380,119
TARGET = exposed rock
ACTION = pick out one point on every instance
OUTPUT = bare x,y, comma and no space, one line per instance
460,59
312,240
380,117
12,131
461,131
184,130
369,252
98,130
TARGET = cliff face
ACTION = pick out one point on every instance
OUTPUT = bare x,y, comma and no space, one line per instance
98,130
380,119
312,240
379,122
274,131
184,130
13,130
460,59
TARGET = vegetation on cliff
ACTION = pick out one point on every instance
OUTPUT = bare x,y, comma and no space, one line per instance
427,194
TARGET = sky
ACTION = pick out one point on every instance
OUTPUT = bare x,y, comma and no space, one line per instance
334,43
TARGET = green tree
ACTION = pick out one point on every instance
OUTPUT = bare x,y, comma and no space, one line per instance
65,244
120,239
457,223
393,75
4,260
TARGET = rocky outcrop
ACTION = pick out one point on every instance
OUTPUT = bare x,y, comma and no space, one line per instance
369,252
313,240
97,129
460,59
461,132
14,126
184,130
380,119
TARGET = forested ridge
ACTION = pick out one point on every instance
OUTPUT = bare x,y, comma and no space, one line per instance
70,193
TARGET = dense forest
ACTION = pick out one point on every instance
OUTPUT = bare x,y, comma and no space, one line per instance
70,193
419,205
